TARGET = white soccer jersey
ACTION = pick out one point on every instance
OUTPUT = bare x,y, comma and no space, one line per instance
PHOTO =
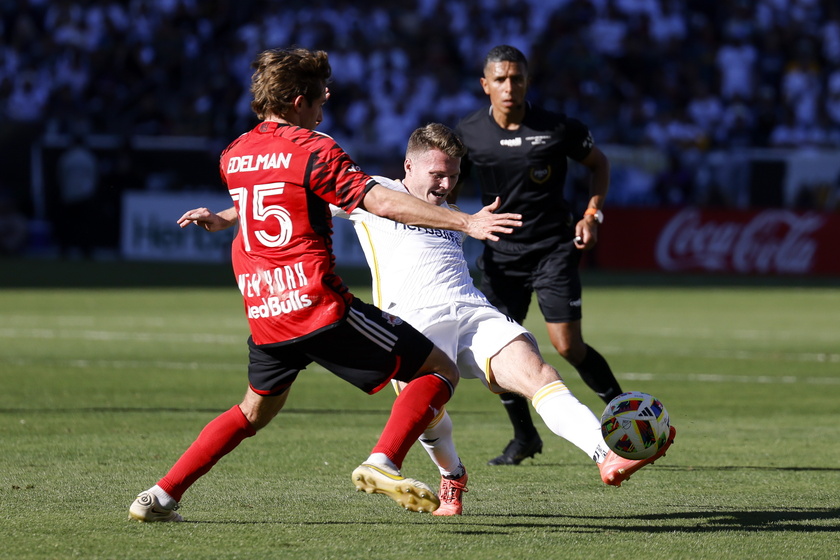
420,275
412,267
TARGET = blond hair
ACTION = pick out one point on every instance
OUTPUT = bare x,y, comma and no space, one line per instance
435,136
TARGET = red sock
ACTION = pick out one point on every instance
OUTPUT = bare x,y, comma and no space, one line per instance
217,439
413,409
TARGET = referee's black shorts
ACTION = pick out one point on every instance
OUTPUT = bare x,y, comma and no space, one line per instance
368,349
510,279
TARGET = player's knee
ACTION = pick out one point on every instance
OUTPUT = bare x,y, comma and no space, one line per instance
452,376
571,351
438,362
565,352
548,374
260,410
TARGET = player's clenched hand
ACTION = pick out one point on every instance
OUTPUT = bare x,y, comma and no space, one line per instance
208,220
484,223
586,234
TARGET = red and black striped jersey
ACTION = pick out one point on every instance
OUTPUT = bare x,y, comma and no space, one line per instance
282,179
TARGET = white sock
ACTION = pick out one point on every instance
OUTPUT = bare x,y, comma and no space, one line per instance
438,442
382,460
570,419
166,501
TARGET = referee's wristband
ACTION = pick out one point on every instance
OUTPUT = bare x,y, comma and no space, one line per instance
599,216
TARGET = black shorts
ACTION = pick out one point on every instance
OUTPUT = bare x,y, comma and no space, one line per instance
510,279
368,349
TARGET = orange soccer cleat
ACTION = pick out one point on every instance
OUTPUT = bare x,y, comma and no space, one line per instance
616,469
451,490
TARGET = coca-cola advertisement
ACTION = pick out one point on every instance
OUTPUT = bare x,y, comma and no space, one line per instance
761,242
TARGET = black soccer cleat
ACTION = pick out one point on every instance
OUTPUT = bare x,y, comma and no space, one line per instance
517,451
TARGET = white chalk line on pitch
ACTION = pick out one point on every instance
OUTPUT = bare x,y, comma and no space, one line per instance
118,336
204,366
204,338
808,357
125,364
90,321
830,336
725,378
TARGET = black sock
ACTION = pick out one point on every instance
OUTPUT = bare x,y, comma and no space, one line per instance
520,416
596,373
459,472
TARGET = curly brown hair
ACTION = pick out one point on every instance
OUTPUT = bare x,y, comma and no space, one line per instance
281,75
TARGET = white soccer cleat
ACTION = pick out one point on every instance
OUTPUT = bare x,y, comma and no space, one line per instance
147,508
411,494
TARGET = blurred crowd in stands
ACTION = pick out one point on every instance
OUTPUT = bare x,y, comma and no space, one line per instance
686,76
686,72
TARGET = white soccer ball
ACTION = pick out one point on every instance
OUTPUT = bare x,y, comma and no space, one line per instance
635,425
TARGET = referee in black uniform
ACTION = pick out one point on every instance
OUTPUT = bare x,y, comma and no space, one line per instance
518,152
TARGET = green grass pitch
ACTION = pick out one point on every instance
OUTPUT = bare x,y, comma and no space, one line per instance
104,384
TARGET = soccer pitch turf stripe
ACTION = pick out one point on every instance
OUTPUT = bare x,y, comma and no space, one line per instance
629,376
122,364
817,357
131,336
805,357
21,320
725,378
237,339
140,364
694,333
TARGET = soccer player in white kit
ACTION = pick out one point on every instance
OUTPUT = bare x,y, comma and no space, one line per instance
421,275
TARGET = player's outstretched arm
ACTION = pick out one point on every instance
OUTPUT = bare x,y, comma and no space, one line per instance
407,209
484,223
208,220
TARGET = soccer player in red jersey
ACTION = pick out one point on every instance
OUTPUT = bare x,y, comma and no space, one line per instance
282,177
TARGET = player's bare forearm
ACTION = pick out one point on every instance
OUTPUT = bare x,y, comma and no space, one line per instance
599,181
407,209
209,220
586,230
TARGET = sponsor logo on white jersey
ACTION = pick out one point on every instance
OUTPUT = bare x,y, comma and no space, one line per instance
444,233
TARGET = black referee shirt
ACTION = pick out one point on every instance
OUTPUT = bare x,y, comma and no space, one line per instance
526,168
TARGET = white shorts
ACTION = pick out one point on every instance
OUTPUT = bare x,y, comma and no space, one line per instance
470,334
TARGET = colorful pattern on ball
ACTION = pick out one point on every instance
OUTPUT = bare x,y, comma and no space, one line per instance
635,425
